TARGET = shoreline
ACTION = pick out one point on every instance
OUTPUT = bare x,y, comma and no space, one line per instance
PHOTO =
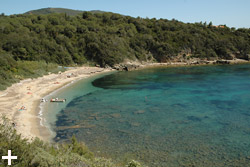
29,92
190,63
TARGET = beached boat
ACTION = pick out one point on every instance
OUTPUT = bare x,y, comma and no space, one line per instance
57,100
43,100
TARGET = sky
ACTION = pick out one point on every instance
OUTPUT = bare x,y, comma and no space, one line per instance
233,13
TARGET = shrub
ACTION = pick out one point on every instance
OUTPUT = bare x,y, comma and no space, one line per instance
40,154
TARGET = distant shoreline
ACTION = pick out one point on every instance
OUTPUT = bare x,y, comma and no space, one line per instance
187,63
29,92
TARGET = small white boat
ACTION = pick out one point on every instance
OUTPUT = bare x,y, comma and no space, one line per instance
57,100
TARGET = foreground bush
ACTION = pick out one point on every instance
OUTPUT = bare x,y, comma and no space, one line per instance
40,154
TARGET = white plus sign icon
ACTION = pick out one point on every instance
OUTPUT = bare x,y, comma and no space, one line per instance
9,157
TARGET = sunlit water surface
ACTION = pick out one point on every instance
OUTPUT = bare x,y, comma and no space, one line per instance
182,116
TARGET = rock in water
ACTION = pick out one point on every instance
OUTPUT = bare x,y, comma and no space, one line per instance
115,115
139,112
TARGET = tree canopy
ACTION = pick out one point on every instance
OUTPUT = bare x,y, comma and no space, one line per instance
108,39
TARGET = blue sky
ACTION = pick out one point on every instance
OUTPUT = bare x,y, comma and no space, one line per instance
233,13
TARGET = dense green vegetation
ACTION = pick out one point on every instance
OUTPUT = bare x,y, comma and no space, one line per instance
12,71
40,154
107,39
33,44
69,12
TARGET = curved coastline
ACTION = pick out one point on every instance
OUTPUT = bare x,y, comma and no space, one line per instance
29,92
149,65
42,122
28,122
48,110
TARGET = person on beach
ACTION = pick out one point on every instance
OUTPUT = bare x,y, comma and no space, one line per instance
22,108
14,124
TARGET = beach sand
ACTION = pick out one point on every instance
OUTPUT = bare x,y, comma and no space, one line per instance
29,92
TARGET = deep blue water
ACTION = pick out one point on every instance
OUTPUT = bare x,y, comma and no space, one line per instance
181,116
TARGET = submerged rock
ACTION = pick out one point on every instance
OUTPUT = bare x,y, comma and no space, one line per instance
154,109
194,118
115,115
135,124
139,112
88,126
68,127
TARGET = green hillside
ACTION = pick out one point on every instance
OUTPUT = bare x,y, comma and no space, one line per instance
35,43
108,39
69,12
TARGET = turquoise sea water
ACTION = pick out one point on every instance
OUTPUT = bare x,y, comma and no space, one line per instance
70,92
181,116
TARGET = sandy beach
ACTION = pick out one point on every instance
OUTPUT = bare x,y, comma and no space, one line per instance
28,94
20,102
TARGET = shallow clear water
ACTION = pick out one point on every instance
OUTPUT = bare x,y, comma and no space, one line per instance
71,91
182,116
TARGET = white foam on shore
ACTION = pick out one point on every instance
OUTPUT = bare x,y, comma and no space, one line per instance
42,105
43,121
